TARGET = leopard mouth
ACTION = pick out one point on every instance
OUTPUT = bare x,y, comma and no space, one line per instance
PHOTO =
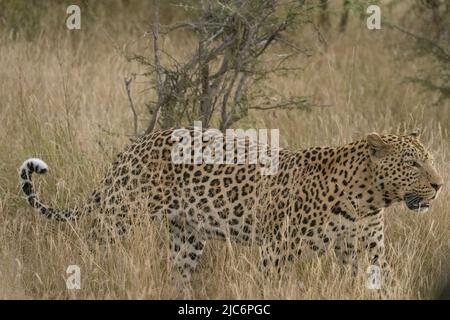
416,203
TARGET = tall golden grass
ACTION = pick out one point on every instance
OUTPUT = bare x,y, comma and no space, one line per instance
62,99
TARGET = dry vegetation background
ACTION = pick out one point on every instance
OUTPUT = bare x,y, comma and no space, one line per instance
62,99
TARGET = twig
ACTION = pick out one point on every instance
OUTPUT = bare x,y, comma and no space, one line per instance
131,104
219,79
442,52
159,85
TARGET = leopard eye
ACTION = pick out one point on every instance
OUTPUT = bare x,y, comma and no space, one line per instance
413,163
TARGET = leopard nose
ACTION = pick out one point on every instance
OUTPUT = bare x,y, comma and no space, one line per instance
436,186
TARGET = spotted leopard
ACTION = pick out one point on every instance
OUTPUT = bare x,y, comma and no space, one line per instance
321,198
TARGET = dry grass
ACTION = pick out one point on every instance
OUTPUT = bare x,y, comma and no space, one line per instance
62,99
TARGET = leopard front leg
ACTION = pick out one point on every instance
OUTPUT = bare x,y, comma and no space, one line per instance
372,240
374,243
345,249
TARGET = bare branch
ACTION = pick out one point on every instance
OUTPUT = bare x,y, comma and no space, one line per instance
219,80
127,82
159,87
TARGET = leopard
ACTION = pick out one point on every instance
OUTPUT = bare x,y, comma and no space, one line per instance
320,199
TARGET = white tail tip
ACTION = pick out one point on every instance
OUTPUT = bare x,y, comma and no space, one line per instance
34,165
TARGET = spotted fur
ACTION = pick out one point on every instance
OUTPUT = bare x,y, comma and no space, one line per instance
321,198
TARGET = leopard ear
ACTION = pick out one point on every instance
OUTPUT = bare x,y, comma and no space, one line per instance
415,133
378,147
